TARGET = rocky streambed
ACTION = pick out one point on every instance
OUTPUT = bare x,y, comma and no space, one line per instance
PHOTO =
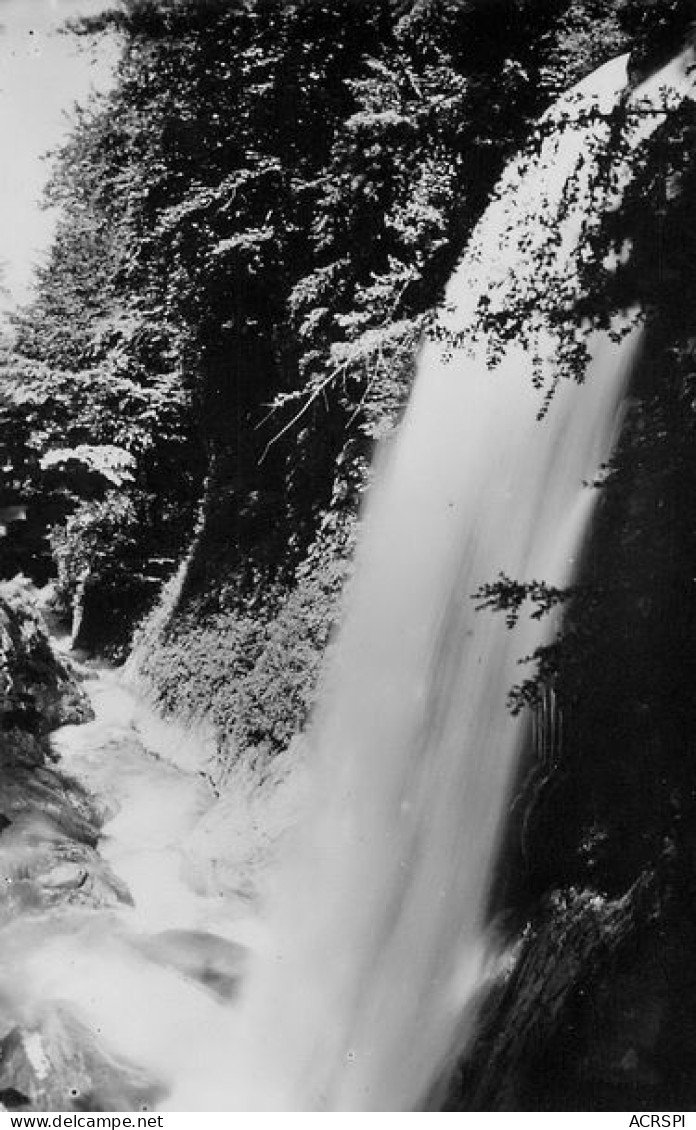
129,882
125,916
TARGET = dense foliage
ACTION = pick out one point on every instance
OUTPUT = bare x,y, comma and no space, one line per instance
257,219
257,216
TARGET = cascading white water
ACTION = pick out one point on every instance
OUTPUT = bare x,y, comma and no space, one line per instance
374,941
377,915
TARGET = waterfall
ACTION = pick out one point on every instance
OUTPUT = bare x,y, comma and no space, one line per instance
373,949
376,918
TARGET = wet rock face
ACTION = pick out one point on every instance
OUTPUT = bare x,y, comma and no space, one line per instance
627,1042
38,690
43,865
56,1065
49,826
596,1010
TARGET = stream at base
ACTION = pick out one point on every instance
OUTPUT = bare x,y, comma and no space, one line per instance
132,978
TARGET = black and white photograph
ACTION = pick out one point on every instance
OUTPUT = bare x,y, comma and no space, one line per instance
347,559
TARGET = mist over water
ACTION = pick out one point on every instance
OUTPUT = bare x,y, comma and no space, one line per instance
351,988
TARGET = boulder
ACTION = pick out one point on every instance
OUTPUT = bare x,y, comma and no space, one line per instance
39,690
56,1064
